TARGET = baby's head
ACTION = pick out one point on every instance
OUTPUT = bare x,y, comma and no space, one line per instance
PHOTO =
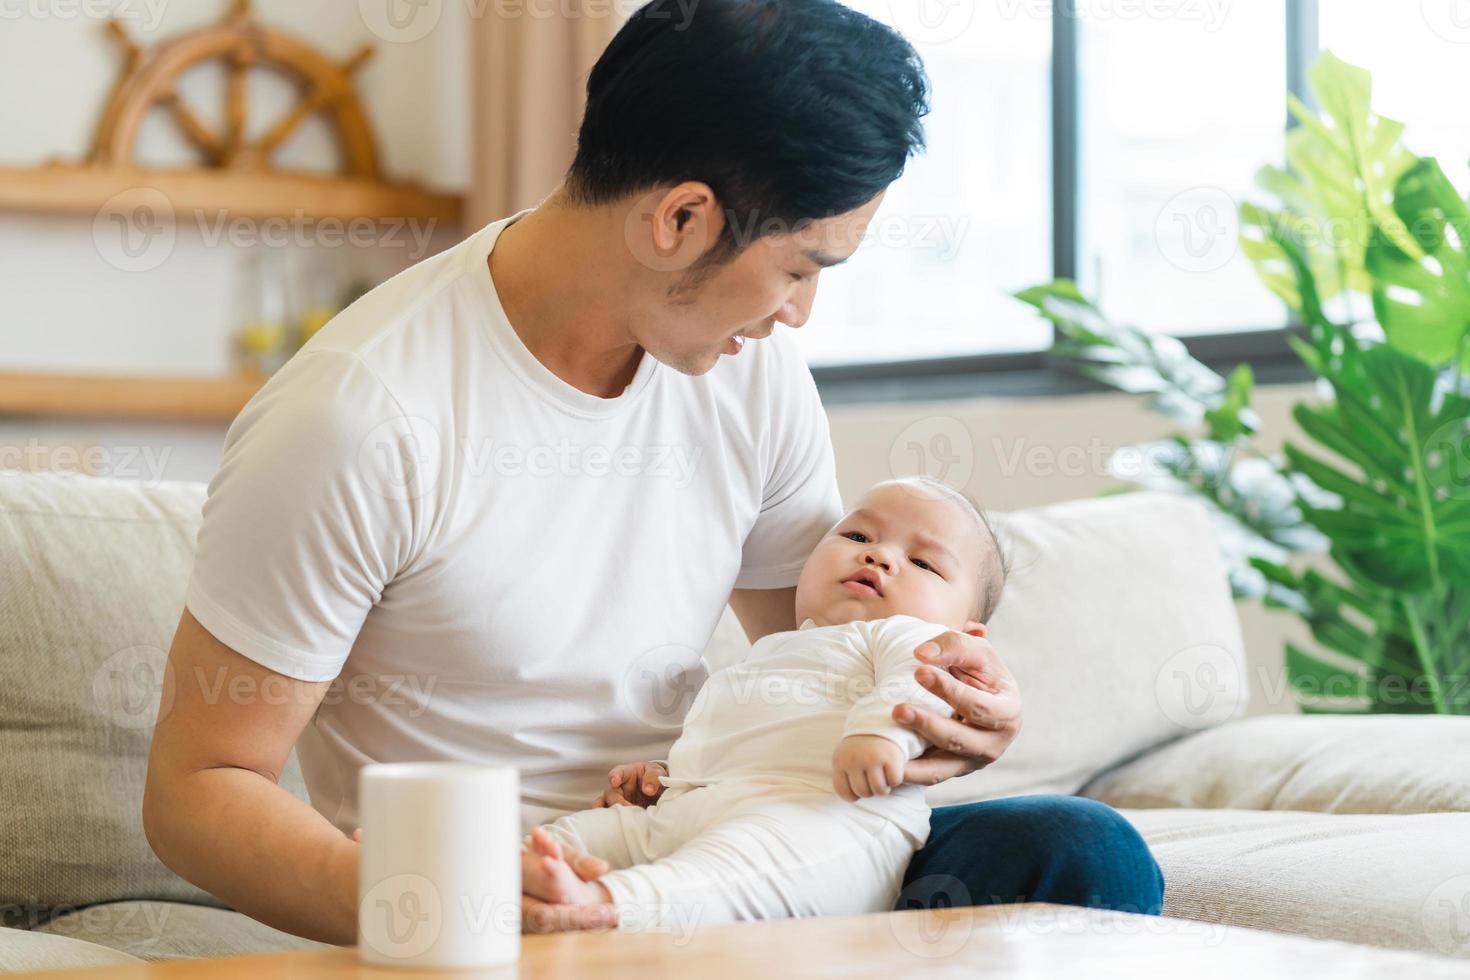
912,547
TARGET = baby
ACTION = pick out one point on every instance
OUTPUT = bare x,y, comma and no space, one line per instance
759,817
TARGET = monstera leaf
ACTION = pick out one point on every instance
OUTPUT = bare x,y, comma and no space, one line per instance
1140,362
1335,190
1423,303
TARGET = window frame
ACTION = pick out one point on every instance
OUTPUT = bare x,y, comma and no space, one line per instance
1033,373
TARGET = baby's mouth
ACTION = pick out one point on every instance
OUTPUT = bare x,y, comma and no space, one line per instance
865,581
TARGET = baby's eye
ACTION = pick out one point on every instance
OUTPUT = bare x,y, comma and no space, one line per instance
924,565
857,536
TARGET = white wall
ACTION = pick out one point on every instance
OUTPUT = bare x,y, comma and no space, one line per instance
57,68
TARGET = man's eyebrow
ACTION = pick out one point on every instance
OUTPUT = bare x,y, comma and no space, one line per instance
821,258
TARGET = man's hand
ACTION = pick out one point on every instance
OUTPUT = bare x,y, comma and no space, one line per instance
964,670
633,784
866,765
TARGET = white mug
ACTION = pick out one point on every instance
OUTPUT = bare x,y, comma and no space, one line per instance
439,876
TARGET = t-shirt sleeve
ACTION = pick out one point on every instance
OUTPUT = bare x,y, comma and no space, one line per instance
317,505
891,644
800,502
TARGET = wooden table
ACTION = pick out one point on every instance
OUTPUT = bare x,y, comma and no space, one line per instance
992,942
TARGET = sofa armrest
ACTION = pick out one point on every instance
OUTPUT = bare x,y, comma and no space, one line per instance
1321,763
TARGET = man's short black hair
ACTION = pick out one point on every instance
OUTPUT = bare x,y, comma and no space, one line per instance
790,110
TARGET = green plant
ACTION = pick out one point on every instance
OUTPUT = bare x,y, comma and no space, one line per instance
1382,485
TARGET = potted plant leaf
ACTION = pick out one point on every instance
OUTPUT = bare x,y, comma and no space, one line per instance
1380,487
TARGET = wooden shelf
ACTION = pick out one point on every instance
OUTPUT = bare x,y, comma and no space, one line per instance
84,189
134,399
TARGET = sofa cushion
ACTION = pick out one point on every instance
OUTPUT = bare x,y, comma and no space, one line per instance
92,575
1400,881
1322,763
23,951
1118,624
173,931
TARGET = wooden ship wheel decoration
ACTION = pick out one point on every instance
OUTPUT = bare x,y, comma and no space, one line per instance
150,79
236,171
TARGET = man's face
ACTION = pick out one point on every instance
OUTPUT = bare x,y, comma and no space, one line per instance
903,550
697,316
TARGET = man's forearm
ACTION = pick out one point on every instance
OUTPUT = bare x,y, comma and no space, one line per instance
244,839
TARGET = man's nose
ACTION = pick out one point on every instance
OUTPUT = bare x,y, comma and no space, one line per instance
798,308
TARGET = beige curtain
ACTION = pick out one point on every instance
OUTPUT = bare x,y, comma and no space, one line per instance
530,72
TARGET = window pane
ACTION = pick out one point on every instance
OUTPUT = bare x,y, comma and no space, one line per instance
1419,55
1178,113
970,220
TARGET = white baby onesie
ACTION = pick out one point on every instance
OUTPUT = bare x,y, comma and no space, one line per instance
749,826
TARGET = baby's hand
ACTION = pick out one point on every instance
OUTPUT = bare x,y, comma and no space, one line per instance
866,765
633,784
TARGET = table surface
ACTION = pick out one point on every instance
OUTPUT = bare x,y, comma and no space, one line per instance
998,941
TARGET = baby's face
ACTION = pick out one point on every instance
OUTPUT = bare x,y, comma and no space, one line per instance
903,550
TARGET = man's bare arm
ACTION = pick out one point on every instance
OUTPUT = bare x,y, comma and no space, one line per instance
213,810
764,611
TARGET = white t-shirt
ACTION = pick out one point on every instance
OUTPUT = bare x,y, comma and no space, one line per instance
493,565
777,715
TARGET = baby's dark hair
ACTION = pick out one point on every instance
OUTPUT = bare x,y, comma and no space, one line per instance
995,566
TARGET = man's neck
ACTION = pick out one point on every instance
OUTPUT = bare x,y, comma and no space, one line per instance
564,297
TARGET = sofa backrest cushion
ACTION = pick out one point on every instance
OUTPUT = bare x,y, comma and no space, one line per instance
92,576
1118,624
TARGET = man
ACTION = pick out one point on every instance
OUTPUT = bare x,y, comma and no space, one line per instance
502,489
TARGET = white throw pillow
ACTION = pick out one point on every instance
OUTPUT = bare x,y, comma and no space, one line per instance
1118,624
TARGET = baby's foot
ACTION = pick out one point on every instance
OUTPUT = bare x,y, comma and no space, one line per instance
545,874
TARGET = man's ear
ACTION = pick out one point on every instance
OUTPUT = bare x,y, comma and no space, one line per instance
668,229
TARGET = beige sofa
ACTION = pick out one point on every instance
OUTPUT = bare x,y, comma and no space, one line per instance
1117,625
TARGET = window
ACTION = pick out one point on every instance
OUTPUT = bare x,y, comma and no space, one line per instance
1419,55
970,220
1177,114
1112,141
